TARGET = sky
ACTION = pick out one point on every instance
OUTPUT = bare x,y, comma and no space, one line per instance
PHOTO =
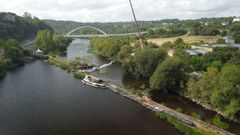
119,10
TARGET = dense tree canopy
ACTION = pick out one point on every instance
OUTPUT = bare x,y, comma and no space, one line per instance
108,47
169,75
47,42
144,63
166,33
234,31
218,88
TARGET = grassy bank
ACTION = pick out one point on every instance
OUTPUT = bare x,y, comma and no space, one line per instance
183,128
63,64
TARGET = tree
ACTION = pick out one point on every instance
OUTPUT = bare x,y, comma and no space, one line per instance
197,63
144,63
44,41
227,91
203,87
13,51
125,52
27,15
209,31
169,75
219,89
234,31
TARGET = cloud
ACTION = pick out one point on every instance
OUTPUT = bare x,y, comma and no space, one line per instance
119,10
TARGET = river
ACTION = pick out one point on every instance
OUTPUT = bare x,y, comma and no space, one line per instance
40,99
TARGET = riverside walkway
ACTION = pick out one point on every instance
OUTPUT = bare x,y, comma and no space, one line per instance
156,107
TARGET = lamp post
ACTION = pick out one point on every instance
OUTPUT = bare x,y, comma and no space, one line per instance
137,26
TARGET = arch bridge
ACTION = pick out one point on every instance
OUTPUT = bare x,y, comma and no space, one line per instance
103,34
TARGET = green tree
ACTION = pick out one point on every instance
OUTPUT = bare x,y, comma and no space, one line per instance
227,91
234,31
125,52
13,51
44,41
169,75
144,62
209,31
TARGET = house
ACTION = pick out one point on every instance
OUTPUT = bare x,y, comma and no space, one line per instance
236,19
229,40
9,17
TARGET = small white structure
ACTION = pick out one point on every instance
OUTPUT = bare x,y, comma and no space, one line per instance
39,51
237,19
171,53
225,23
229,40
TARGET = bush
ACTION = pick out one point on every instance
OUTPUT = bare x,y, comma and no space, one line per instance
217,122
79,75
195,115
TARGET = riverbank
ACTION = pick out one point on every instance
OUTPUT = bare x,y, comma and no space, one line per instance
209,107
159,108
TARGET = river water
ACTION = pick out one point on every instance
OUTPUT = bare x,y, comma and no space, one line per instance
40,99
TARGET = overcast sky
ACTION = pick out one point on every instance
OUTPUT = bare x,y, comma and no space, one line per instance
119,10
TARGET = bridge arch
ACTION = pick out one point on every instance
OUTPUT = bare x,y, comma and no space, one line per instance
69,33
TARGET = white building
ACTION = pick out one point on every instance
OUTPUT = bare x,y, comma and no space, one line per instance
229,40
237,19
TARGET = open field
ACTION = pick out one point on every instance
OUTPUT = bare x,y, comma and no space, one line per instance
188,39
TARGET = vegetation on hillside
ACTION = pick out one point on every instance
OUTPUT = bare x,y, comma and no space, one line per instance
20,27
165,28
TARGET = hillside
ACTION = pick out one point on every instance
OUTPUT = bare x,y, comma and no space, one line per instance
17,27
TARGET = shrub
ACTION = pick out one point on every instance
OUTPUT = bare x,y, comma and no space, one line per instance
79,75
219,123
